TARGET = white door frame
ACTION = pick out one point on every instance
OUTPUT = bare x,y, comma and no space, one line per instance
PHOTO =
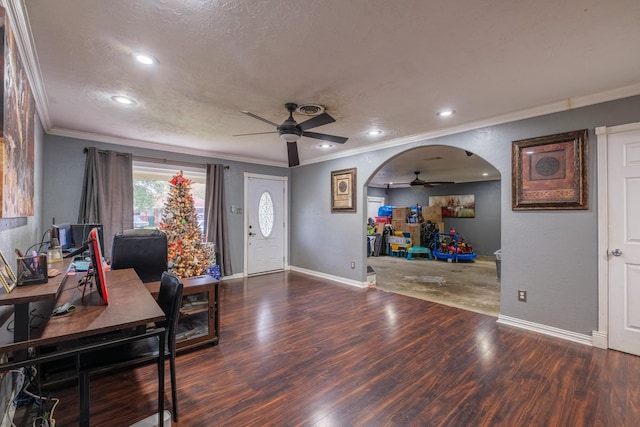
285,214
600,338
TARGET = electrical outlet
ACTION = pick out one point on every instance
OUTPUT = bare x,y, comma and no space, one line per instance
353,264
522,295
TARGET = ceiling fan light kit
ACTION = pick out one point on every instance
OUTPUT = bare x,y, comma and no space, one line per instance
290,131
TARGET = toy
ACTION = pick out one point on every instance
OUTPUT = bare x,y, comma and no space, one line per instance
452,247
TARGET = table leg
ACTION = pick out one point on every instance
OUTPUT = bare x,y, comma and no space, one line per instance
21,328
83,395
161,381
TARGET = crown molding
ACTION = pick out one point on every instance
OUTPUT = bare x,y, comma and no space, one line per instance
17,17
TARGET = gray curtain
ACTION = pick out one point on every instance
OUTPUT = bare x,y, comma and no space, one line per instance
107,193
215,213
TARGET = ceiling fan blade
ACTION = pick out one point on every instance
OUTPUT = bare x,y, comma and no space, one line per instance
325,137
255,133
314,122
292,152
260,118
439,182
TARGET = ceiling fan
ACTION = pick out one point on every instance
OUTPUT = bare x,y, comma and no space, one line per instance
417,183
290,131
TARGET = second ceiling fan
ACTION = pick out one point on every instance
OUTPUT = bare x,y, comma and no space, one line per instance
290,131
418,183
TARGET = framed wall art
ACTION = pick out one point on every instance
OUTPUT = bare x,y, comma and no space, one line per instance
550,172
17,139
7,276
343,190
458,206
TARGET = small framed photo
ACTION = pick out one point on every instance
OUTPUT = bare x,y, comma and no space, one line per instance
7,277
550,172
343,190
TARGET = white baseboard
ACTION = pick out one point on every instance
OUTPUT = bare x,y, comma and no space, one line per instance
546,330
233,276
330,277
600,340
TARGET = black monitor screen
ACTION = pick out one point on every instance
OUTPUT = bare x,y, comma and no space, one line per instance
64,236
80,234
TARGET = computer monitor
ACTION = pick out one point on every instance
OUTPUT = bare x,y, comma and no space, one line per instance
64,236
80,234
96,260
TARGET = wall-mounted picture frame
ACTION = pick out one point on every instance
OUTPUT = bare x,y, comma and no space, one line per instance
7,276
455,206
343,190
550,172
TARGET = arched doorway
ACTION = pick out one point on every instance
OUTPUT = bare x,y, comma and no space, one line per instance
448,171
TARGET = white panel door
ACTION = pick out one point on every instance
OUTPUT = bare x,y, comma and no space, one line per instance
373,203
265,225
624,240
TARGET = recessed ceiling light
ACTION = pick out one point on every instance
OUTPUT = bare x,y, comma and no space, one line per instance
145,59
374,132
485,174
121,99
325,145
445,113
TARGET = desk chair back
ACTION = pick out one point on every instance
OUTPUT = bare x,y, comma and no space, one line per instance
170,301
144,250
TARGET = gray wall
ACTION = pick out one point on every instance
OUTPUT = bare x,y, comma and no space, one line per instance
483,231
551,254
64,170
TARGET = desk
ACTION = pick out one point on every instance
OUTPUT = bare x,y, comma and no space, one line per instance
131,306
22,296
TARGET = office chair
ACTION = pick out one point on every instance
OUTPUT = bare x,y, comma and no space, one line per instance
144,351
143,250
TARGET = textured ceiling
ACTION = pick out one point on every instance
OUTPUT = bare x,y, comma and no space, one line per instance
371,63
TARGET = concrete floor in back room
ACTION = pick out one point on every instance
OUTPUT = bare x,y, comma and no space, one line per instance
470,285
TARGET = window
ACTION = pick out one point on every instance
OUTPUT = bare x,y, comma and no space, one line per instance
151,188
265,214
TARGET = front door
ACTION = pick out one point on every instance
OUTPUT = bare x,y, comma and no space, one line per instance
623,188
266,223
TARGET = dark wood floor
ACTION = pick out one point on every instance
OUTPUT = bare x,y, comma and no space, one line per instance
299,351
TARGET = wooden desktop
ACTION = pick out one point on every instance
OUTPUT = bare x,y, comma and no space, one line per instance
131,306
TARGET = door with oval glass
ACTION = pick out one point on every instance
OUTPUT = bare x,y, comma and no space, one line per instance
266,223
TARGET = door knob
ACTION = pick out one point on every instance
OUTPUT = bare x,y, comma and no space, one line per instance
616,252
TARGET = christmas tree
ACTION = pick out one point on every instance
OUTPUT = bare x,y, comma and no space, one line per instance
188,253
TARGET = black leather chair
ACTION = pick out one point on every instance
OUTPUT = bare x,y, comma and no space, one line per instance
143,250
144,351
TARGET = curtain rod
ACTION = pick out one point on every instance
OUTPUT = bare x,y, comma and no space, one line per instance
154,160
106,151
173,162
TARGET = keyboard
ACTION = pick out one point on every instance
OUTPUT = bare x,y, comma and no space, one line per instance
82,265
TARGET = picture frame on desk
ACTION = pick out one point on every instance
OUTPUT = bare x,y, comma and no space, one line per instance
7,276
